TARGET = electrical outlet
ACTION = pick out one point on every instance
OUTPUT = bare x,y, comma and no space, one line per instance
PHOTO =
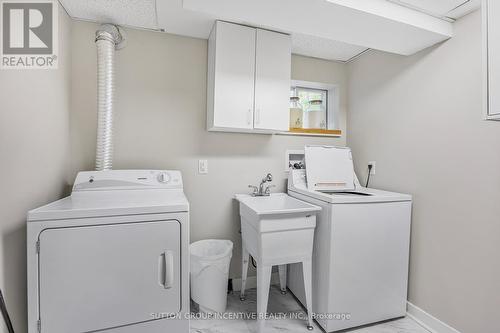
374,166
202,167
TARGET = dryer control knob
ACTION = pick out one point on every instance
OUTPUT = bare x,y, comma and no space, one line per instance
163,177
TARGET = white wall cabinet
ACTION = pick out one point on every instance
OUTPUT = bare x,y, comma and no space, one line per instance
491,58
272,81
248,85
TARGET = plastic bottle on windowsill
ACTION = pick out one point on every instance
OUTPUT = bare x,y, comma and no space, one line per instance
296,113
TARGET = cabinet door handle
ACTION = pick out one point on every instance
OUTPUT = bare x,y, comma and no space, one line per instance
249,117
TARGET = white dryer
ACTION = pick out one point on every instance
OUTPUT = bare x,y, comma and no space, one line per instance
361,247
112,257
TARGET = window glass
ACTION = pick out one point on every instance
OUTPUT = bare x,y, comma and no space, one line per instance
314,104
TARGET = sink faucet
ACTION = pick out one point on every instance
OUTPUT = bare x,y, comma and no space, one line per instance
262,190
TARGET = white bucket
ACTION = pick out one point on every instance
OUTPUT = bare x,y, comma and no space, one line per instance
210,261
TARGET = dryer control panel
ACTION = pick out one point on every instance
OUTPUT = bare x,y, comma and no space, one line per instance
127,180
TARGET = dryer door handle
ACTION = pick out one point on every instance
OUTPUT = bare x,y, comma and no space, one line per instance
169,269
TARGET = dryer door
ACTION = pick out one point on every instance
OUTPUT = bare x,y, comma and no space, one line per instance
104,276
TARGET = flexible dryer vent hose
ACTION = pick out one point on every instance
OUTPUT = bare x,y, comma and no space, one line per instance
108,38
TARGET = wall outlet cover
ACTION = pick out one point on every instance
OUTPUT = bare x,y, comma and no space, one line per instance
202,167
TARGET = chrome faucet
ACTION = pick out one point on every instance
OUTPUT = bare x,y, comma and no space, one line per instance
262,190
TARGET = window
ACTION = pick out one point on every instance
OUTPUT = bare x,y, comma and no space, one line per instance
313,103
313,108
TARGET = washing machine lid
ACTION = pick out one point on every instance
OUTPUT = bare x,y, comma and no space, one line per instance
118,193
297,184
329,168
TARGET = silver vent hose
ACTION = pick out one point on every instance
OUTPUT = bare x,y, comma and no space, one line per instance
108,39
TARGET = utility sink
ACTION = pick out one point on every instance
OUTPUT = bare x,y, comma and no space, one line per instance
275,204
276,230
277,225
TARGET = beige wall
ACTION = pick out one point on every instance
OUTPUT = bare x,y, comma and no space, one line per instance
34,145
160,124
420,118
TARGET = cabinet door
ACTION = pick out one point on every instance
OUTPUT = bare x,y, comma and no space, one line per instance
272,81
97,277
234,72
492,15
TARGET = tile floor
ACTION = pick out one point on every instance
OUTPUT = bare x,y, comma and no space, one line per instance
283,304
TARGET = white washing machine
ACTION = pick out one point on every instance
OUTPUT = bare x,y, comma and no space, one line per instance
112,257
361,246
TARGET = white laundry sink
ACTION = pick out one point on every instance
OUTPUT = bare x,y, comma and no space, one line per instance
277,227
276,230
275,204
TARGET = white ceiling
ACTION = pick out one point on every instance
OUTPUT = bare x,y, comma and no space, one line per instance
323,48
170,16
377,24
134,13
177,20
435,7
448,9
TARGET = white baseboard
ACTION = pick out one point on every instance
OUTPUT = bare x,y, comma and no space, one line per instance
426,320
252,282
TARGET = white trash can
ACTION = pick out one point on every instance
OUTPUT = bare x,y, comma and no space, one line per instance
210,260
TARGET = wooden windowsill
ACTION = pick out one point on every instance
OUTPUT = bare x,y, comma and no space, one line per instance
313,132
